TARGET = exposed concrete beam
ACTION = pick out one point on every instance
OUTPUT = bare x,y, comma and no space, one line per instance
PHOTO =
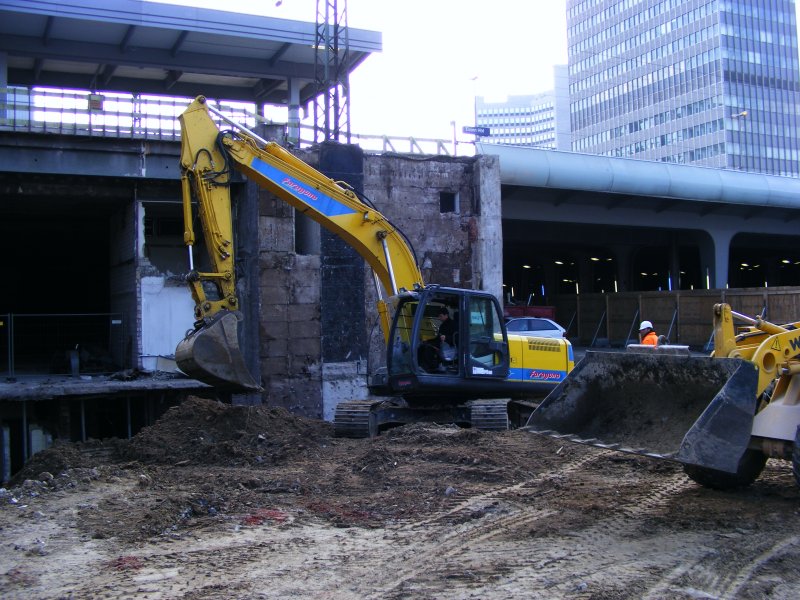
708,209
562,198
664,206
37,68
752,213
126,84
107,74
176,47
33,153
264,87
126,39
172,79
48,27
277,55
211,64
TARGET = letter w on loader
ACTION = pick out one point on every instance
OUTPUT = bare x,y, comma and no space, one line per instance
721,416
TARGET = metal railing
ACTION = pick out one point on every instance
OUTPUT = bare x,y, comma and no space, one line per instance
150,117
61,344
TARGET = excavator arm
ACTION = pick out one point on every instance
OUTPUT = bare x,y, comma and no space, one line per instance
208,156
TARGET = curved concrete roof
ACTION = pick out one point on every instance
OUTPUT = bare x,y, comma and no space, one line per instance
535,167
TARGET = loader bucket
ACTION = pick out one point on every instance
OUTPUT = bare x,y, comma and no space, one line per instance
211,354
695,410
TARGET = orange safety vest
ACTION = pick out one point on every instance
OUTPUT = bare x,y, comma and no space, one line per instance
651,339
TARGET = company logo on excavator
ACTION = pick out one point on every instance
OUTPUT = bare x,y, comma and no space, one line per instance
539,375
795,344
291,184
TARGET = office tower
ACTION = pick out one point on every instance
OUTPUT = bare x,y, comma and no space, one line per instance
704,82
536,121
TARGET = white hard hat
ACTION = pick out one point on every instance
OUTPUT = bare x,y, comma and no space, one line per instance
645,325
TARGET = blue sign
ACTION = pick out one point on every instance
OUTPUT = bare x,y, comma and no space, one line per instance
479,131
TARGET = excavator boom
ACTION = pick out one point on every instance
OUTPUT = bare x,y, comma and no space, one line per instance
211,352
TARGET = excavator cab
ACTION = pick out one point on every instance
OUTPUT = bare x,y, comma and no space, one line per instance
446,339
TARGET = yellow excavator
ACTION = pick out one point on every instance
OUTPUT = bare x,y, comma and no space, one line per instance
467,376
722,416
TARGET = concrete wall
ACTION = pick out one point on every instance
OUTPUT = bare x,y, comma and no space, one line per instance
302,370
166,310
123,281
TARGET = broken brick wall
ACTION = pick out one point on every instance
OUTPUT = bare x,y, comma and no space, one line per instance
317,318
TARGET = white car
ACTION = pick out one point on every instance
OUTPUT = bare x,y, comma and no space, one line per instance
535,326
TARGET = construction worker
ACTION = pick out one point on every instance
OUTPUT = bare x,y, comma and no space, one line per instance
647,334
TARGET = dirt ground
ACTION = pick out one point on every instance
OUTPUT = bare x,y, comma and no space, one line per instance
220,502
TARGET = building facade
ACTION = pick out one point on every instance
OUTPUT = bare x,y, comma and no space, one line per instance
533,121
706,82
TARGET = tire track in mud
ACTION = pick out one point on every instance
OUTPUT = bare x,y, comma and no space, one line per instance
518,540
216,564
433,546
718,575
199,566
586,551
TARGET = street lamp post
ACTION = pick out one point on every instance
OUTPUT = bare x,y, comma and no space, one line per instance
740,115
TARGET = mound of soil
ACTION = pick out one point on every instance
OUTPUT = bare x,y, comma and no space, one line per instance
206,432
196,432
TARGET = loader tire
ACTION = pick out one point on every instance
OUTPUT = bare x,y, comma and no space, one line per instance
750,466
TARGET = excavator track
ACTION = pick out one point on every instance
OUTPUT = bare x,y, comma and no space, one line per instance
354,419
489,415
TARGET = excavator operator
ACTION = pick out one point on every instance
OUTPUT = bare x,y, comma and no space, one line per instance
447,327
441,348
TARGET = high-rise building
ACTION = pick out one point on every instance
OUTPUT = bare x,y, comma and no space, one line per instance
535,121
707,82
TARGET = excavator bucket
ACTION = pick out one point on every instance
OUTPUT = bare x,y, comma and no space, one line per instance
694,410
211,354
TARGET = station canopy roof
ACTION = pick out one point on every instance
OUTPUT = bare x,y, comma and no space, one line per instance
152,48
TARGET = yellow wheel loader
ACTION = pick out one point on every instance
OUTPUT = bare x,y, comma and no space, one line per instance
722,416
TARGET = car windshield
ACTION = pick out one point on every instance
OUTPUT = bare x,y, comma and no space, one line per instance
527,324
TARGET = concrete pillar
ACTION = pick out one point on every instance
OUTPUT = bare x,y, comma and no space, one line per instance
584,277
550,277
714,257
674,275
622,257
487,247
294,110
247,285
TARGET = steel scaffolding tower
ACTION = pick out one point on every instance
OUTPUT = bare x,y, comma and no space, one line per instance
332,99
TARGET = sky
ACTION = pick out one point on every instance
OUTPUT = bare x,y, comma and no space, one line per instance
438,55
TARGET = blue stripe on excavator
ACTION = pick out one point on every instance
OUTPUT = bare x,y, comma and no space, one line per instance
313,197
